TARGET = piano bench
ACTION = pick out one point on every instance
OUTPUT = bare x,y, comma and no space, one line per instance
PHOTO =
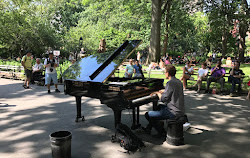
175,130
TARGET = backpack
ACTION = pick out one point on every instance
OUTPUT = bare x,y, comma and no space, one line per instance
127,139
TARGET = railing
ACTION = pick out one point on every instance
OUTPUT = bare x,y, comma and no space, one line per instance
11,71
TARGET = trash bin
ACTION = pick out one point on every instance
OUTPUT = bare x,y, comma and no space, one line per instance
61,144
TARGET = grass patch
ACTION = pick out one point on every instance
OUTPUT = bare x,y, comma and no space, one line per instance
245,68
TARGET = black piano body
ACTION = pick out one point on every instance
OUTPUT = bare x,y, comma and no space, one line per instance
92,77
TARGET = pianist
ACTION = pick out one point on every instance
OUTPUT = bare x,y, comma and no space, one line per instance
173,103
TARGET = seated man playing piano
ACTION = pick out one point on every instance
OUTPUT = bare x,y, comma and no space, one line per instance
173,103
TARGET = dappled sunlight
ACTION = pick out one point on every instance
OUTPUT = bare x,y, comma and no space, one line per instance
202,107
107,149
21,134
217,124
208,155
237,130
95,129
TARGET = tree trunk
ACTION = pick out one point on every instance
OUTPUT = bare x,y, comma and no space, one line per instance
224,43
165,42
154,49
242,46
243,27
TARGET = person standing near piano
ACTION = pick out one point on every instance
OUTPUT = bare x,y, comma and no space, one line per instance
129,69
172,105
50,72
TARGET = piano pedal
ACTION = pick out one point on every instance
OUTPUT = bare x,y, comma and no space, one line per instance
77,118
113,139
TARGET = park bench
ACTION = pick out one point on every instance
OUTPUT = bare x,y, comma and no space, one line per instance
151,71
196,77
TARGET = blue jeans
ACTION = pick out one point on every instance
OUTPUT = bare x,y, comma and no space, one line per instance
153,118
234,81
162,114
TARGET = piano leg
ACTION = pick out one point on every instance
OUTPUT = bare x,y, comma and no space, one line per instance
117,115
78,109
155,104
136,122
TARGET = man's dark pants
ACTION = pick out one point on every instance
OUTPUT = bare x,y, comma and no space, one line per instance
234,81
28,73
214,79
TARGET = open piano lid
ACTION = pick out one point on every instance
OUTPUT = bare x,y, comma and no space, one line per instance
99,67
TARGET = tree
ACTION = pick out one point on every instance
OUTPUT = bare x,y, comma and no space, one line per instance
155,49
243,27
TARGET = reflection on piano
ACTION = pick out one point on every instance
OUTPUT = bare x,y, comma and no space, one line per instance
91,77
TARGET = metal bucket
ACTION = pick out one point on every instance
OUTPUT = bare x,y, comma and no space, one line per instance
61,144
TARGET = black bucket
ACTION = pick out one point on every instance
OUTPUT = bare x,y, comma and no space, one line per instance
61,144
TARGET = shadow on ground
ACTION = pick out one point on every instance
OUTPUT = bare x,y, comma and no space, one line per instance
220,127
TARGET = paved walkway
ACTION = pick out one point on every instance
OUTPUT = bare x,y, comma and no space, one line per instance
220,126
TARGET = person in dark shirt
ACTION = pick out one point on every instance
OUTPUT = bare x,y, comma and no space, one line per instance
173,103
235,77
217,74
138,69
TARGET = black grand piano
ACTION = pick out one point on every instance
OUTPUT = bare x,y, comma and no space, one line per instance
93,76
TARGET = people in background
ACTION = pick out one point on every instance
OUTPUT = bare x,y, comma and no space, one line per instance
138,57
193,61
229,62
209,62
235,77
187,72
214,56
138,69
202,75
217,74
37,70
50,72
27,65
129,69
248,95
173,103
161,64
167,62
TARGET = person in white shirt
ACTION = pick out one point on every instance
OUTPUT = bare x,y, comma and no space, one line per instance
50,72
202,75
37,70
38,67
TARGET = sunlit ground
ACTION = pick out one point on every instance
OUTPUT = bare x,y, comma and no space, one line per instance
219,126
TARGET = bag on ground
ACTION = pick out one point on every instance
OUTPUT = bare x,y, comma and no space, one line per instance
127,139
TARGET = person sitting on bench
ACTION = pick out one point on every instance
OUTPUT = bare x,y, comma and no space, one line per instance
202,75
188,70
173,103
235,77
217,74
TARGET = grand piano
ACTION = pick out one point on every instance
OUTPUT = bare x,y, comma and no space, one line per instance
93,76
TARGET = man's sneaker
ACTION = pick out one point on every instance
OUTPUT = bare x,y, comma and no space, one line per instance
57,91
49,92
24,86
186,126
28,87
